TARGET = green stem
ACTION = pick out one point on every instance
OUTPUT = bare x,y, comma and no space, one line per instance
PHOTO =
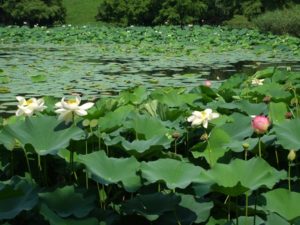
86,172
175,147
39,163
246,154
289,176
209,154
259,147
247,203
255,201
27,161
277,159
12,163
99,194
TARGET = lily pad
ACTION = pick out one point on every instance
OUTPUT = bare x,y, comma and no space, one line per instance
107,170
46,134
66,202
288,134
283,202
16,195
236,178
176,174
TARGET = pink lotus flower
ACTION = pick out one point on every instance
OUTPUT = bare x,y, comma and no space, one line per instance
207,83
260,124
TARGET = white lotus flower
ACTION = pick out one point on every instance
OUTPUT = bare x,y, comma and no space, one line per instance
67,109
202,117
30,106
257,82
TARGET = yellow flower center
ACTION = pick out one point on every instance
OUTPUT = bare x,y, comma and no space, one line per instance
28,102
71,101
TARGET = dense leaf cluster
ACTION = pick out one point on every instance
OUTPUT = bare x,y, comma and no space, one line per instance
136,160
150,12
31,12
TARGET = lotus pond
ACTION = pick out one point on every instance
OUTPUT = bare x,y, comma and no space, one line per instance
96,61
172,150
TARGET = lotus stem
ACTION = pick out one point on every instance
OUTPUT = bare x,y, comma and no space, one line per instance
86,172
289,176
39,163
99,195
12,163
175,147
27,161
277,159
259,147
247,203
209,154
255,201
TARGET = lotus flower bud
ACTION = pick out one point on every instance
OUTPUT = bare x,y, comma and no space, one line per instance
288,115
207,83
260,124
204,137
176,135
292,155
267,99
246,146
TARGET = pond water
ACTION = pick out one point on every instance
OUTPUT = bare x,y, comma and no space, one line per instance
35,71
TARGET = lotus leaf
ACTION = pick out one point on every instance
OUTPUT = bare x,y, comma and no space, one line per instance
66,202
288,134
236,178
107,170
151,206
54,219
46,134
176,174
277,112
283,202
16,195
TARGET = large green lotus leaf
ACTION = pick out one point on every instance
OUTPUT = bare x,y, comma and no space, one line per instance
237,145
274,90
216,148
239,127
7,140
54,219
151,206
16,195
201,209
277,112
46,134
107,170
268,72
236,178
252,108
134,96
139,147
213,221
250,220
162,111
283,202
39,78
176,174
113,120
66,202
274,219
146,125
288,134
174,97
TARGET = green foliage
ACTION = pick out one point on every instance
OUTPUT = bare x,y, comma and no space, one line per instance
285,21
31,12
80,12
181,12
149,12
239,21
